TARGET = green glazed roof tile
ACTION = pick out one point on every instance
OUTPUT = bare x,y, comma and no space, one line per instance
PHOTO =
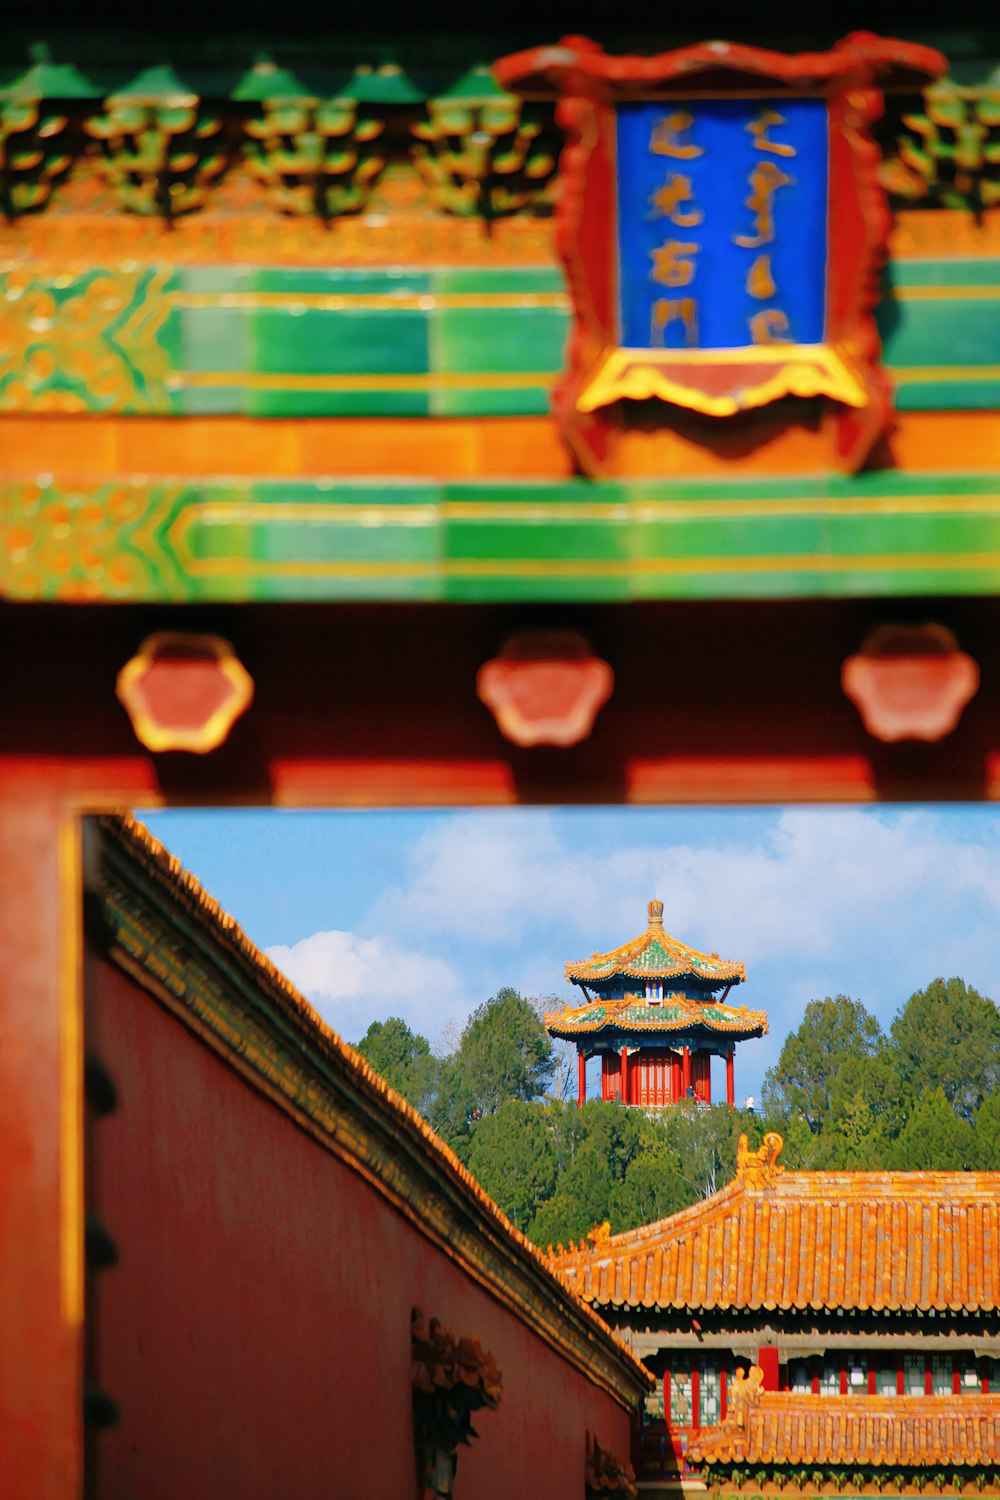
478,83
156,83
49,80
265,80
385,85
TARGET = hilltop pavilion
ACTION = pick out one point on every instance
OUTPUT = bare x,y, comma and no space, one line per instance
656,1019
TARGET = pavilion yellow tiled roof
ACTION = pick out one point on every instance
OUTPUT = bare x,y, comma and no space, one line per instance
656,955
909,1432
678,1014
776,1239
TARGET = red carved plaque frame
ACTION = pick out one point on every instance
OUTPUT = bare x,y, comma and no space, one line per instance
851,78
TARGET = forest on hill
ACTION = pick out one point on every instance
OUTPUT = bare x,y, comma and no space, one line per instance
843,1094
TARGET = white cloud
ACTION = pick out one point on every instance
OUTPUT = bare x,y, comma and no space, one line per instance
871,902
354,980
483,878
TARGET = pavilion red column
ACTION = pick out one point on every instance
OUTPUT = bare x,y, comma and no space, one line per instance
581,1079
685,1071
730,1079
625,1088
767,1359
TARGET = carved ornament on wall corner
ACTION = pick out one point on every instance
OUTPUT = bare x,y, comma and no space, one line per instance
184,691
452,1378
910,682
545,688
609,1477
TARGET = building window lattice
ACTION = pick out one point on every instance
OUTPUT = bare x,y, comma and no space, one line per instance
680,1398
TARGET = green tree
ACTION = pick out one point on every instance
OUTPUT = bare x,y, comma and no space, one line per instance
934,1137
705,1140
853,1140
504,1053
986,1123
868,1105
948,1036
652,1188
832,1030
404,1060
594,1149
513,1156
453,1108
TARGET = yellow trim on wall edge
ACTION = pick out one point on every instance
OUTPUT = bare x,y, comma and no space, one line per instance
71,1158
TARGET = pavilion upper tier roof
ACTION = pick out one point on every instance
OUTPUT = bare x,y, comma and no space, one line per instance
656,955
678,1015
865,1241
912,1432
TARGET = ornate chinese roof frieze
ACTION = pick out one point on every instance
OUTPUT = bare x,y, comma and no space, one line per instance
774,1240
160,144
153,920
329,136
619,1018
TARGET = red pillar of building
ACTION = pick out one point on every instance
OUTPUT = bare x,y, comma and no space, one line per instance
730,1079
625,1079
685,1071
767,1359
581,1079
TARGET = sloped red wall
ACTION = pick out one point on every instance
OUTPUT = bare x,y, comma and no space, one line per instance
256,1330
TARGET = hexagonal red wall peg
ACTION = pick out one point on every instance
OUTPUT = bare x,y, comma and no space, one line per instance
910,682
184,691
545,688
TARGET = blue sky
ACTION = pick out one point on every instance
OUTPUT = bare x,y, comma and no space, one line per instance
425,914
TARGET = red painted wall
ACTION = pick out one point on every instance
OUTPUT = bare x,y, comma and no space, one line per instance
40,1409
256,1331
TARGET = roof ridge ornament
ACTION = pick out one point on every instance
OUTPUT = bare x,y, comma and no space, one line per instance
745,1393
655,911
759,1169
600,1236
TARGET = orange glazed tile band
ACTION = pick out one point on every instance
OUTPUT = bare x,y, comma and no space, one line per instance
878,1241
909,1431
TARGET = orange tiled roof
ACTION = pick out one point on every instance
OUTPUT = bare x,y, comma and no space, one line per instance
656,955
911,1432
777,1239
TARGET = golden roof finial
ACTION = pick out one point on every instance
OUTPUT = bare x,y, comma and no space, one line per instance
655,910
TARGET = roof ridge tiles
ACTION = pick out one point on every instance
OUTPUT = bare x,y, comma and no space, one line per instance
914,1431
812,1240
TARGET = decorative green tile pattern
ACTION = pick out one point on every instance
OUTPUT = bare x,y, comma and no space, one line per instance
271,342
878,534
648,1018
100,341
